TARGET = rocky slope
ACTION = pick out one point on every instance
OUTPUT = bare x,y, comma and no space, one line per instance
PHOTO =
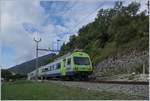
134,62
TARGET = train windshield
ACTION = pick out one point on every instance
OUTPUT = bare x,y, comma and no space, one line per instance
81,60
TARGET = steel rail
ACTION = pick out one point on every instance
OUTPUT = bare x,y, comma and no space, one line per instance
120,82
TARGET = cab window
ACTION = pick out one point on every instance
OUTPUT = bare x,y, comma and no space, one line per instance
81,60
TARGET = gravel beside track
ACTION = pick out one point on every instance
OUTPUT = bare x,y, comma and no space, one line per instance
132,89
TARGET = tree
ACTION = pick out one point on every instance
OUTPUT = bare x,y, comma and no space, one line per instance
6,74
133,8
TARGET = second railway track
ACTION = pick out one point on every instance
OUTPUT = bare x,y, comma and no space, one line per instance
120,82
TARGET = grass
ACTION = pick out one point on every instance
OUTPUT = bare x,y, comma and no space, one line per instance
26,90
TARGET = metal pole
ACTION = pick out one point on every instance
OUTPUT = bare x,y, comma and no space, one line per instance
37,42
58,45
36,60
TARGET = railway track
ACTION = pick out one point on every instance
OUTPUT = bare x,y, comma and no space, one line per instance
111,82
120,82
139,88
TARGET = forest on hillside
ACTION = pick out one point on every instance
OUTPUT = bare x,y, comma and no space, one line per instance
115,30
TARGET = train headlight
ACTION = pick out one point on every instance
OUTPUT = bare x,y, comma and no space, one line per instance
89,68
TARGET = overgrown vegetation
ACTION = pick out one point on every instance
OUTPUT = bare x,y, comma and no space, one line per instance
114,30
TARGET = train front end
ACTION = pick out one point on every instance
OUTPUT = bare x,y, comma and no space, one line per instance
82,64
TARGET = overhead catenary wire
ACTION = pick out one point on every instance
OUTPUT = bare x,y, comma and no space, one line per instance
72,6
86,17
68,9
65,12
83,19
70,31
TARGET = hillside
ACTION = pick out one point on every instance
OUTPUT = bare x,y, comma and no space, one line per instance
29,66
114,31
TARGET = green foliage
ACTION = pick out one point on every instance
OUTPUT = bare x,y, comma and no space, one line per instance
108,51
114,30
139,69
7,75
131,77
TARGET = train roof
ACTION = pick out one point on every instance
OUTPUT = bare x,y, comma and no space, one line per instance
68,54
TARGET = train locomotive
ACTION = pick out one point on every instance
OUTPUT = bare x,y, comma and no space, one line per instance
74,65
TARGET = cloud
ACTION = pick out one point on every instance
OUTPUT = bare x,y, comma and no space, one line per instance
13,14
73,18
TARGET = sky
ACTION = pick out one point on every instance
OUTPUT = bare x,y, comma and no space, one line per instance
22,20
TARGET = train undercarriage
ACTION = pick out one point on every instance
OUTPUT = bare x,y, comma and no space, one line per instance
76,76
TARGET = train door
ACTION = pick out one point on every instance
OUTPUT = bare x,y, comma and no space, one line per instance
63,67
68,64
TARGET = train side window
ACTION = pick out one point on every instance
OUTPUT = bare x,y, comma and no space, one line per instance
55,66
49,68
64,60
69,61
52,67
46,69
58,65
43,70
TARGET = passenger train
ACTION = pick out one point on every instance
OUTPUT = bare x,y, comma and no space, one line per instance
74,65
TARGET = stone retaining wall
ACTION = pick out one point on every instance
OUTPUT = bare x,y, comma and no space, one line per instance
127,62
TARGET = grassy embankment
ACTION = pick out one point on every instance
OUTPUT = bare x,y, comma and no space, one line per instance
43,90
